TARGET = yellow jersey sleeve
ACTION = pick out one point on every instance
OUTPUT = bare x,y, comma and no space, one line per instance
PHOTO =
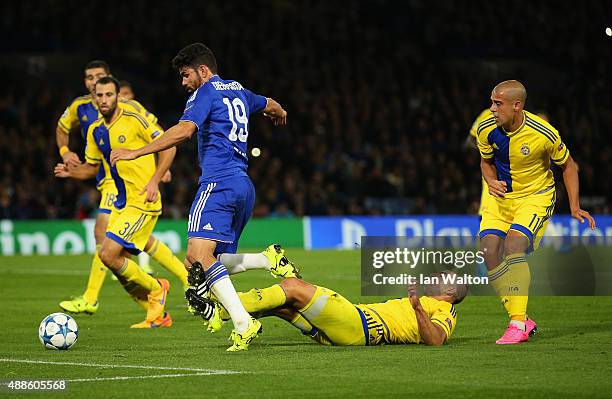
136,107
443,315
152,132
559,153
484,115
93,155
69,119
483,130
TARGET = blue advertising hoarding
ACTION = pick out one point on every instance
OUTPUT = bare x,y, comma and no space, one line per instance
346,232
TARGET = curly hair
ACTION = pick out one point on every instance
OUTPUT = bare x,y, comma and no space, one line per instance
194,55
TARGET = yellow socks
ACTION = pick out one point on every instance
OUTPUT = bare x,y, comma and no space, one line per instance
301,323
511,280
261,300
131,272
97,274
520,280
164,256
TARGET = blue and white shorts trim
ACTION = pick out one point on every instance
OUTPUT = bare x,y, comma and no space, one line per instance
195,215
220,211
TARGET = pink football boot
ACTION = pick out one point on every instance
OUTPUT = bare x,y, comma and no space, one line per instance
513,335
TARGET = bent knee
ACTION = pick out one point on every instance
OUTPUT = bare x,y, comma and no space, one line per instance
106,256
516,243
297,290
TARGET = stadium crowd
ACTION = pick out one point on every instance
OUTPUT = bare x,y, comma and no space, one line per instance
380,103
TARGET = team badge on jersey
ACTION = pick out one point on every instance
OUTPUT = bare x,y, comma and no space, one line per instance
525,149
122,139
84,118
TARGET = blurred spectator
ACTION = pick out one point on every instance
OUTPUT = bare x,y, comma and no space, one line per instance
380,99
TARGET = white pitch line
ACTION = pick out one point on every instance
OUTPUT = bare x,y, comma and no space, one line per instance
141,377
121,366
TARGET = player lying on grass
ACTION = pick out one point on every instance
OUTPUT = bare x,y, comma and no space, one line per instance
330,319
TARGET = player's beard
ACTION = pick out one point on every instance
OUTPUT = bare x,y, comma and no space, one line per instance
196,84
109,113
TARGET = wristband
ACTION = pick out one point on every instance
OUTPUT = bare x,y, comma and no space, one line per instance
63,149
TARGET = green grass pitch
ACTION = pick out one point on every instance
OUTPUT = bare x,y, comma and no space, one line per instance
570,357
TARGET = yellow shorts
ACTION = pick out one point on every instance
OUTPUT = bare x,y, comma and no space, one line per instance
131,228
485,197
339,322
528,215
108,194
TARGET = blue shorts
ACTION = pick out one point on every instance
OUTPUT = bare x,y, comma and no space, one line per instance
220,211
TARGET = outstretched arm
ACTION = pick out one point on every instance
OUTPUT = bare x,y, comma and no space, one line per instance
275,112
570,178
429,332
176,134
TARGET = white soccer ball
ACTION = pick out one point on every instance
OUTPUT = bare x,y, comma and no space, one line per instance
58,331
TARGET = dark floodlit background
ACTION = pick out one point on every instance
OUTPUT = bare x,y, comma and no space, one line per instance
380,95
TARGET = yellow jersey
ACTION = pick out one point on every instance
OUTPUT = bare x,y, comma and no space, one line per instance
129,130
395,322
522,158
83,111
484,194
484,115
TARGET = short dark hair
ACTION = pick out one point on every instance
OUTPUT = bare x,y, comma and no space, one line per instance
194,55
460,293
125,83
109,79
98,64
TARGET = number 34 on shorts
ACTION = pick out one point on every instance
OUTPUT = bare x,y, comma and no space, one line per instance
131,228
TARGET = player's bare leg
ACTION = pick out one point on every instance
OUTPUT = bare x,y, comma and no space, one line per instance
493,247
200,253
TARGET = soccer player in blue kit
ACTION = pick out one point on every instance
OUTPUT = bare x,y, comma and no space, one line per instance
218,110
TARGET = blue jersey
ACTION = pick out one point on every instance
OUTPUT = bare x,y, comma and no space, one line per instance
220,109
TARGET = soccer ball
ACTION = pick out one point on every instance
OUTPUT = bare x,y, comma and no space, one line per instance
58,331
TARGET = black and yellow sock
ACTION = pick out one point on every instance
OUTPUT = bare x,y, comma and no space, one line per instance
499,278
264,299
520,278
134,274
136,292
302,324
164,256
97,275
